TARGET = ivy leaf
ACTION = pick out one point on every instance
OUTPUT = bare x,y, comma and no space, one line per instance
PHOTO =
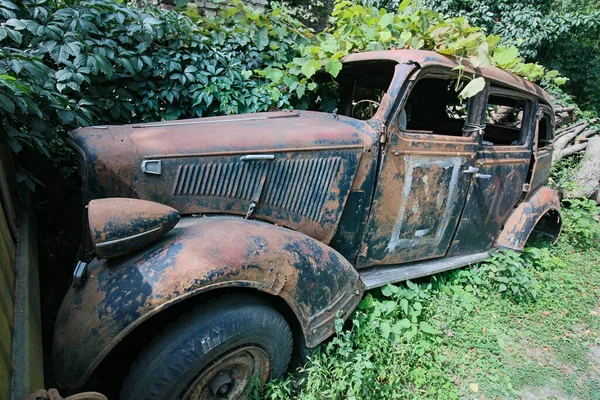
386,20
404,306
7,104
472,88
262,38
300,90
275,94
310,67
403,5
385,36
333,67
560,81
389,290
386,329
402,324
505,56
330,45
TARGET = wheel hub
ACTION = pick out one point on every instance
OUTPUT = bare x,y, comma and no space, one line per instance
229,375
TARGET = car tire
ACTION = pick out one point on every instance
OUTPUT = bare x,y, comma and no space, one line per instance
213,351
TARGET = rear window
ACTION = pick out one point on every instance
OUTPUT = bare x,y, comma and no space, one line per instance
545,131
504,121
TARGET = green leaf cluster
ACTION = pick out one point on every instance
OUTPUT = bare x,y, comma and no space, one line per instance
102,62
357,27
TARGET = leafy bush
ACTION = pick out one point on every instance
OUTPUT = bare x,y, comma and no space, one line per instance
560,34
390,351
581,226
506,272
99,62
361,28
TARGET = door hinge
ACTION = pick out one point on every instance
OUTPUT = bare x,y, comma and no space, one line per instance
382,135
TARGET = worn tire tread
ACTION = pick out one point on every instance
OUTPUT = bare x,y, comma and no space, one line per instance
196,315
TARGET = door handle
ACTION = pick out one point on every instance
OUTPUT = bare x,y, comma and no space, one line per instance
257,157
471,170
483,176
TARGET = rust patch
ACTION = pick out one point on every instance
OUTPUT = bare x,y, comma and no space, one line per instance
524,218
120,225
198,255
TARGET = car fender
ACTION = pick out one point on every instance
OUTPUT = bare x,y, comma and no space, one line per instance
525,217
198,255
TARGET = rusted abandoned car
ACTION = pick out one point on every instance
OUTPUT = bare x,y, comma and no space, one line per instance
288,217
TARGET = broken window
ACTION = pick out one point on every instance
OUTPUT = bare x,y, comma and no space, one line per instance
358,89
504,121
545,136
433,107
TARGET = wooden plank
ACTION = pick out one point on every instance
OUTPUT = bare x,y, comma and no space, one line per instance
7,254
6,366
7,299
27,354
8,187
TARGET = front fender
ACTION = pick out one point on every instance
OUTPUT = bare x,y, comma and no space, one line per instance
198,255
525,217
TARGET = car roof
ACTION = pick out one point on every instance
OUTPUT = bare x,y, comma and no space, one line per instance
426,58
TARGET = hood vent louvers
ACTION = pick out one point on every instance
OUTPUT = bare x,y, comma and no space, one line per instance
298,186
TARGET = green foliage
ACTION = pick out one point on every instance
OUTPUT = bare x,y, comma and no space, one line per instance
360,28
65,65
99,62
560,34
581,226
504,273
519,325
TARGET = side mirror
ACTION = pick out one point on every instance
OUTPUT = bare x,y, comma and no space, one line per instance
121,225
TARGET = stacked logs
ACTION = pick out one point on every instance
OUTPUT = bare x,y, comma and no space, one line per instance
579,138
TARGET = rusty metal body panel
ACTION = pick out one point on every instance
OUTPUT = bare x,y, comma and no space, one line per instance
293,168
524,218
419,198
198,255
121,225
490,201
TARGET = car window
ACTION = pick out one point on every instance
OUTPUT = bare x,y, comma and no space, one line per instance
504,121
545,131
433,107
357,91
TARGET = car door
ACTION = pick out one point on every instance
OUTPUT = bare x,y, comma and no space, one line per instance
503,165
424,174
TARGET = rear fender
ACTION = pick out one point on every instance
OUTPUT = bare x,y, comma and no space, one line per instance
199,255
523,220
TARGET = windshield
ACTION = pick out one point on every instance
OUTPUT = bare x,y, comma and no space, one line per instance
357,91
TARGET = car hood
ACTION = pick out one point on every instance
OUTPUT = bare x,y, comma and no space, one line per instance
301,168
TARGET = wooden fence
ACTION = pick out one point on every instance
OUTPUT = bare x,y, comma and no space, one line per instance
21,363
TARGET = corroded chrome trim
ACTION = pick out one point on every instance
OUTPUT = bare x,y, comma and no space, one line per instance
257,157
121,240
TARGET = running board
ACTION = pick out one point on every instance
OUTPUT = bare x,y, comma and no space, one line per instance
374,277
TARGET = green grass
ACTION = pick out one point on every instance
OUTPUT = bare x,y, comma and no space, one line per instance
519,326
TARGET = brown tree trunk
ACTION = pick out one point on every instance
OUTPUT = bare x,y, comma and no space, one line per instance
588,177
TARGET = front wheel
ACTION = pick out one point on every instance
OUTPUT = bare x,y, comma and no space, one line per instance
213,352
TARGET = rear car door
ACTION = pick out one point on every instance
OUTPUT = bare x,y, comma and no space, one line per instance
502,170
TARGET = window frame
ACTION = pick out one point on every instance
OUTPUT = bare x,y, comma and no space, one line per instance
527,123
545,111
435,73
